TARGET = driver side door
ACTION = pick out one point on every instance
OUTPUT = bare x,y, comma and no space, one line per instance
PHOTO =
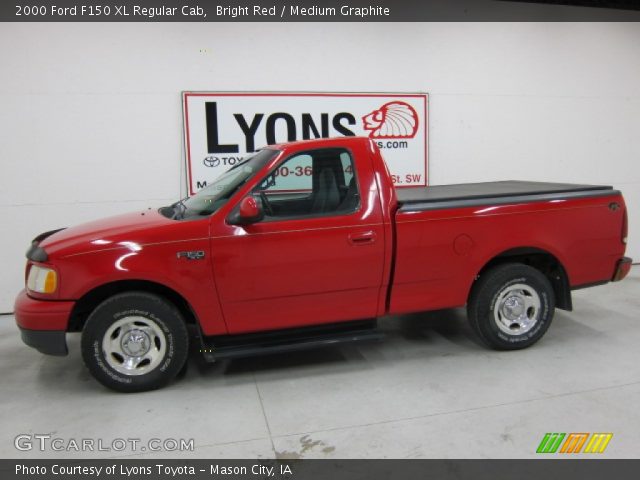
316,257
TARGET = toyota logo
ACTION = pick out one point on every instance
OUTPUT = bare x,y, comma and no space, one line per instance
211,161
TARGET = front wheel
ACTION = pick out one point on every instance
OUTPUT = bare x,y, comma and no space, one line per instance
135,341
511,306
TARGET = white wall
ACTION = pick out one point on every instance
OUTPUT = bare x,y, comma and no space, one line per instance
90,116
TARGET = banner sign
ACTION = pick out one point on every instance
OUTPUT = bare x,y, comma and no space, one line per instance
221,128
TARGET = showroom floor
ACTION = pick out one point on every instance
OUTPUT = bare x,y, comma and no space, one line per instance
428,390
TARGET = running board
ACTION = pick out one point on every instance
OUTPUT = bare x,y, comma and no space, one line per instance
290,340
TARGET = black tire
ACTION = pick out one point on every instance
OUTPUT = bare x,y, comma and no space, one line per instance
518,284
135,320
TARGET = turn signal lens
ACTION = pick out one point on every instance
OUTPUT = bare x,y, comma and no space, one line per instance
50,282
42,280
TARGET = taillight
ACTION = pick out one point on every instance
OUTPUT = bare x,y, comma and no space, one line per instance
625,227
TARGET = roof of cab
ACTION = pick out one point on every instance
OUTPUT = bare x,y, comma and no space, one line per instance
319,143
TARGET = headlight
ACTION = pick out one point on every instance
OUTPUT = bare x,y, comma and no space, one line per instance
42,280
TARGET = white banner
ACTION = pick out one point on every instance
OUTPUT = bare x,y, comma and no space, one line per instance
220,128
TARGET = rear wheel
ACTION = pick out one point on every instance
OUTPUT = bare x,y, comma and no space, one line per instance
511,306
135,341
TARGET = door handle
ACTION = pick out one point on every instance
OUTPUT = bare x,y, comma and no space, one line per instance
362,238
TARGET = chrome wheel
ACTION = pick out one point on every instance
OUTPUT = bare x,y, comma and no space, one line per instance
134,345
517,309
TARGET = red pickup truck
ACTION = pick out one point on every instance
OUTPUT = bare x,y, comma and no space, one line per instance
306,244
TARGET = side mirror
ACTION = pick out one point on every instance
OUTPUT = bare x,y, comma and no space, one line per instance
247,212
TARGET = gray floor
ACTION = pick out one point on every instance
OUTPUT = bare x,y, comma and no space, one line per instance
429,390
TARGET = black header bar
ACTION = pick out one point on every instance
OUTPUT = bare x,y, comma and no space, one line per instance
535,469
317,11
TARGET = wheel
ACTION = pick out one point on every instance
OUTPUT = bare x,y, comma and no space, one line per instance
511,306
135,341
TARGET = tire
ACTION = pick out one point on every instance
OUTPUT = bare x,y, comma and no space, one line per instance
511,306
134,342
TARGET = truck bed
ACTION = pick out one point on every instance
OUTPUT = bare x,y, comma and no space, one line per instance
493,193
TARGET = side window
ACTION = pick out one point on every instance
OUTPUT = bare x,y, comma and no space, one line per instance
317,182
347,167
295,175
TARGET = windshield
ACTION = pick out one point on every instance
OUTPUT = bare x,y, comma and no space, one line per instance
216,194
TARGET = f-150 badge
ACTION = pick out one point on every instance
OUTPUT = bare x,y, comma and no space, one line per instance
192,255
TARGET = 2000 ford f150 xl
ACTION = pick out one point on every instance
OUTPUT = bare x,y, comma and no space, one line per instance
257,266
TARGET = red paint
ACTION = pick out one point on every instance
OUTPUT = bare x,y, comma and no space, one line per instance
188,140
583,234
249,207
289,273
39,315
374,121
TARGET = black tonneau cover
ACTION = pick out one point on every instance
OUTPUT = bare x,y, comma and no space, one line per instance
493,193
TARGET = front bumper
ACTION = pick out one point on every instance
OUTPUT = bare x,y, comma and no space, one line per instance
43,323
49,342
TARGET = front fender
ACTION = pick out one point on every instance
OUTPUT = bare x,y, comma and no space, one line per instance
191,277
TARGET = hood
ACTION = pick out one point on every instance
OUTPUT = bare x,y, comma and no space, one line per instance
121,231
